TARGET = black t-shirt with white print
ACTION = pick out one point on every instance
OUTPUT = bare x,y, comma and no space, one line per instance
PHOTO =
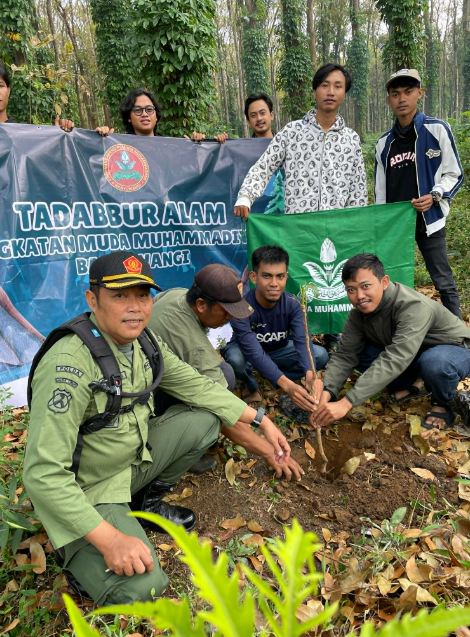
402,184
402,181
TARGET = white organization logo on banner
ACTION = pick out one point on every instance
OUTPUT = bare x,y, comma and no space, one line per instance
327,278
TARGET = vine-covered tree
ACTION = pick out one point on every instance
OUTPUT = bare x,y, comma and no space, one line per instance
175,41
295,73
358,64
114,53
254,46
36,83
466,54
406,42
433,60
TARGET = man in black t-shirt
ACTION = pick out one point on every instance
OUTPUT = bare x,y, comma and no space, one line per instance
417,161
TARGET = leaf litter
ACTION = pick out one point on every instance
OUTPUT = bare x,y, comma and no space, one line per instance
376,569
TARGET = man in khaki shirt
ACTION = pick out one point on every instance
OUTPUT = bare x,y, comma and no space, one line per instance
85,513
182,318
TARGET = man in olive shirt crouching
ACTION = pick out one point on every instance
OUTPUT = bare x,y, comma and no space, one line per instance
181,318
395,335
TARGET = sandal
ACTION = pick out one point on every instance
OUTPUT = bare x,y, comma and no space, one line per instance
448,417
414,393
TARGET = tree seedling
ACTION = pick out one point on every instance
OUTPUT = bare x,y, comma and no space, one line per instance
303,302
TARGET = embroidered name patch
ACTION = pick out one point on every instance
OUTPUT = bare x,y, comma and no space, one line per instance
69,370
60,401
67,381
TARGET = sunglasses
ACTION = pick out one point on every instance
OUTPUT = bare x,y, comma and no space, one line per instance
138,110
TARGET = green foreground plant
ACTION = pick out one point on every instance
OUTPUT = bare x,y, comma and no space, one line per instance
229,611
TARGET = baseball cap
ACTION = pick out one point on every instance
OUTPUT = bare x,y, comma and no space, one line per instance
404,73
120,270
222,284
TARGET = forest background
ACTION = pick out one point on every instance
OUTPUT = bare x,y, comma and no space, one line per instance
202,58
78,59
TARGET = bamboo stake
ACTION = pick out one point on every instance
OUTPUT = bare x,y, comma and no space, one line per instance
303,293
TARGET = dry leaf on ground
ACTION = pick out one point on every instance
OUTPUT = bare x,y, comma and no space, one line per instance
254,526
309,450
233,523
38,557
351,465
423,473
415,425
232,470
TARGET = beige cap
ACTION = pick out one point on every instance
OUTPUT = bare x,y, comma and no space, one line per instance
404,73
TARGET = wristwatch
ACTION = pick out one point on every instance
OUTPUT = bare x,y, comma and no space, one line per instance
260,414
436,196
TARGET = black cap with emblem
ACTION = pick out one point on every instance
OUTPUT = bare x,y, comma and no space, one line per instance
120,270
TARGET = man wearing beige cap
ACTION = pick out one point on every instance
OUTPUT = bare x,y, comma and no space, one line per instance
182,318
417,161
81,481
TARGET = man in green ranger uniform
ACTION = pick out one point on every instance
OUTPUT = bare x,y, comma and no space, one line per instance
85,514
395,335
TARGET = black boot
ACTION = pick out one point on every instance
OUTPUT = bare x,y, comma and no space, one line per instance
153,503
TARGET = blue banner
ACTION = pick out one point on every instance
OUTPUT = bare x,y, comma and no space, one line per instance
66,199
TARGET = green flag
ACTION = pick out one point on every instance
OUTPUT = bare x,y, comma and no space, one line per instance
319,244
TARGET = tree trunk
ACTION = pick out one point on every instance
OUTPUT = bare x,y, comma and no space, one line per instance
466,54
312,42
241,90
50,21
71,34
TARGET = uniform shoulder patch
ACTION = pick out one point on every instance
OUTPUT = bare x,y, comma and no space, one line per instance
60,401
69,370
66,381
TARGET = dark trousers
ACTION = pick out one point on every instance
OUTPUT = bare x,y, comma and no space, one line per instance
441,367
434,251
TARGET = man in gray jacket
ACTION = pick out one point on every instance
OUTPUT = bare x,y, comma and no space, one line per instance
395,335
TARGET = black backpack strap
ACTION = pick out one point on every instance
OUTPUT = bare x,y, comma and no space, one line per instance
111,384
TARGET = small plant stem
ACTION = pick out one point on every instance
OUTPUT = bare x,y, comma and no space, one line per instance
312,390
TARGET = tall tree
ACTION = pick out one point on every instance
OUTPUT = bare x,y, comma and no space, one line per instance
114,53
433,60
176,43
295,73
36,84
358,64
406,41
466,54
254,46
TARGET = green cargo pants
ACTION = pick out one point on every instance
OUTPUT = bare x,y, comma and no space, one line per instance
177,438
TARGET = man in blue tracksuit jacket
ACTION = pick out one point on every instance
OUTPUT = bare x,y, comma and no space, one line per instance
417,161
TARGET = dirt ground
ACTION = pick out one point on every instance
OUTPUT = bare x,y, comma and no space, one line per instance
378,434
